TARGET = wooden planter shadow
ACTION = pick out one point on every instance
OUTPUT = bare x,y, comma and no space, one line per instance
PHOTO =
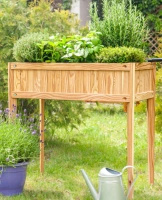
125,83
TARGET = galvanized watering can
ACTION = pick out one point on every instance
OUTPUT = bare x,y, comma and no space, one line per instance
110,185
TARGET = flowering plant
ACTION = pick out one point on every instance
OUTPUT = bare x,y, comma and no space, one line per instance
18,143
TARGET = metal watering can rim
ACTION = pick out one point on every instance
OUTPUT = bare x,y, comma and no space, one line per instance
106,172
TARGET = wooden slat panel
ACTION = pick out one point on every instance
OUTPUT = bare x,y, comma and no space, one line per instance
144,95
50,81
117,84
24,80
144,81
109,82
64,81
71,96
79,81
71,82
57,81
37,81
87,82
153,77
102,82
94,82
43,81
17,80
125,83
30,80
147,80
72,66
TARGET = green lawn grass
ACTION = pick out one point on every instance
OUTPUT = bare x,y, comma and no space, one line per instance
100,142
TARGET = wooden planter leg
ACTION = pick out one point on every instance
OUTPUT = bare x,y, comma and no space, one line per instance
151,136
12,103
130,143
41,101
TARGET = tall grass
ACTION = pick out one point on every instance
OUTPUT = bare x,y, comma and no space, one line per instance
122,24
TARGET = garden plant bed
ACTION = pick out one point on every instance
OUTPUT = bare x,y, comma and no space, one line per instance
111,83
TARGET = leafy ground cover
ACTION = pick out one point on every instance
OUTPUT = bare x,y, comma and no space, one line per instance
100,142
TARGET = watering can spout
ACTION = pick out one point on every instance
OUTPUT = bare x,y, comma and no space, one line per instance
90,185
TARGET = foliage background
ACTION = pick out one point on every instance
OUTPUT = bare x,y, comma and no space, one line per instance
18,18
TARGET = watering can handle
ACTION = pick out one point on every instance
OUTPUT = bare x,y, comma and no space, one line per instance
126,167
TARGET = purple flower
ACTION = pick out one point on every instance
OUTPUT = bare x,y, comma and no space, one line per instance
1,112
34,132
31,119
6,110
17,115
25,110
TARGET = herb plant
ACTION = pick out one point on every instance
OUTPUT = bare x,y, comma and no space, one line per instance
122,24
121,55
25,49
17,142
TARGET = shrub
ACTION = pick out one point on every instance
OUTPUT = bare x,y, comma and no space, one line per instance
41,19
25,49
120,55
122,24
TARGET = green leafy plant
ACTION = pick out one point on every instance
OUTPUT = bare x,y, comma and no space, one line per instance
120,55
82,49
25,49
17,143
122,24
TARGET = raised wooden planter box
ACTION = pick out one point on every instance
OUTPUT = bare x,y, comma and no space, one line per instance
83,81
118,83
